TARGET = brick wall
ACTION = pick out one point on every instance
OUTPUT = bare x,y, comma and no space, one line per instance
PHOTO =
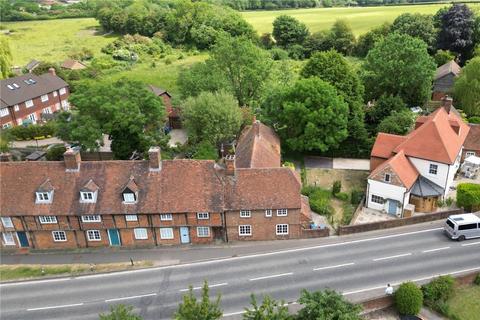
315,233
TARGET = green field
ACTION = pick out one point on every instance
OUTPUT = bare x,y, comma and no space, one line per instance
53,40
361,19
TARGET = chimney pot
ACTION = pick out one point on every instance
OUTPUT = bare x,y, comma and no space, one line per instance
72,160
155,159
447,103
230,164
52,71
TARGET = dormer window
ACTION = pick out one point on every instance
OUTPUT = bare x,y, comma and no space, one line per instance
130,192
44,193
87,196
129,197
387,177
43,196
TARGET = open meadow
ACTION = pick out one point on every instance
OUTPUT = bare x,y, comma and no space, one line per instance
361,19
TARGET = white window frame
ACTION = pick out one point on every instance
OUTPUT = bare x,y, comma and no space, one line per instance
55,93
29,103
92,235
10,240
44,197
202,234
268,213
16,107
47,219
88,196
7,125
377,199
469,153
47,110
203,215
166,235
131,217
91,218
431,168
282,232
7,222
32,117
140,233
4,112
166,217
44,97
242,230
245,213
129,197
387,175
59,236
63,91
282,212
19,121
57,106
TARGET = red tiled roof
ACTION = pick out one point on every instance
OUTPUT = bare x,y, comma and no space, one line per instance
258,147
385,144
472,142
405,170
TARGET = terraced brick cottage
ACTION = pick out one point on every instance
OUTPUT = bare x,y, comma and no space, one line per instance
27,97
416,170
75,203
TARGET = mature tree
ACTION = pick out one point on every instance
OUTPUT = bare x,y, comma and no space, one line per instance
288,31
467,88
5,57
457,31
341,37
443,56
309,115
333,68
418,26
120,312
193,309
212,117
125,110
383,107
318,41
399,65
200,77
205,150
326,305
268,310
367,41
400,122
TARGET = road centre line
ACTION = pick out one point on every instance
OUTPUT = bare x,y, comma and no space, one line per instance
393,257
131,297
210,286
272,276
437,249
332,267
470,244
56,307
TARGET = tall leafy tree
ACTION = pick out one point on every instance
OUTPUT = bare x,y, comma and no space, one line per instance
288,31
269,309
367,41
125,110
5,57
383,107
342,37
326,305
418,26
398,122
457,31
467,88
310,115
193,309
399,65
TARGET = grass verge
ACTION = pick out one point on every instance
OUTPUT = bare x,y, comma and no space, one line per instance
465,304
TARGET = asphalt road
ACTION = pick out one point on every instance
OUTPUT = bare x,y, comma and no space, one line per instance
356,268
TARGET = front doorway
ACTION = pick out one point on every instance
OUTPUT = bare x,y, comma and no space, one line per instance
114,237
22,239
184,235
392,206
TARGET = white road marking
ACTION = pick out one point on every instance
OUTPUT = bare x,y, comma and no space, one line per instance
437,249
332,267
8,284
210,286
272,276
470,244
131,297
393,257
233,313
56,307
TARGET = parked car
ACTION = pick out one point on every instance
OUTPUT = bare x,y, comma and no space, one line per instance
462,226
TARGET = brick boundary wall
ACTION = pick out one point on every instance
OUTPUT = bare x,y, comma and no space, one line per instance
349,229
315,233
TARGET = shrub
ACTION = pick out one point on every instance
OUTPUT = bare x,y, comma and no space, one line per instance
477,280
449,202
474,119
342,196
322,206
296,52
279,54
168,60
408,299
55,153
438,290
337,187
440,203
348,211
32,131
356,196
468,196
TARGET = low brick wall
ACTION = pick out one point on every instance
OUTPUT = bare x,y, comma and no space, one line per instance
342,230
315,233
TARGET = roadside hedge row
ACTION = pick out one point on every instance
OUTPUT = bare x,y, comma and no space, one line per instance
468,196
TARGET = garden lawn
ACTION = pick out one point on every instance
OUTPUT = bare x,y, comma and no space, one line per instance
465,303
362,19
53,40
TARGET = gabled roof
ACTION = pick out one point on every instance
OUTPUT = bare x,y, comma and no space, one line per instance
157,91
45,187
403,168
40,85
131,185
435,139
32,64
385,143
426,188
449,67
90,186
258,147
472,142
73,64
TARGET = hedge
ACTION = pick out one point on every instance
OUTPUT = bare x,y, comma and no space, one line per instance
468,196
33,131
408,299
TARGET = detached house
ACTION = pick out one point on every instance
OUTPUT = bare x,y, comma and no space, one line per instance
417,169
77,204
27,97
444,80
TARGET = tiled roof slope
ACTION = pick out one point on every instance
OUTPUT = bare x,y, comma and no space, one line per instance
384,145
44,84
472,142
405,170
435,139
449,67
258,147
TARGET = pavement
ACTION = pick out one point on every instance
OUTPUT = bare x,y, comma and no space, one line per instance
359,266
177,136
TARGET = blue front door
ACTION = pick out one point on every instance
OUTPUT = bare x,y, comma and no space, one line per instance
184,235
22,238
392,206
114,237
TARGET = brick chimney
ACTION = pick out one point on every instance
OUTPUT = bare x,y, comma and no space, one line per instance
72,160
230,164
155,159
52,71
447,103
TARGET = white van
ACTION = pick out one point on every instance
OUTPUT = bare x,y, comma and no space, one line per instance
462,226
